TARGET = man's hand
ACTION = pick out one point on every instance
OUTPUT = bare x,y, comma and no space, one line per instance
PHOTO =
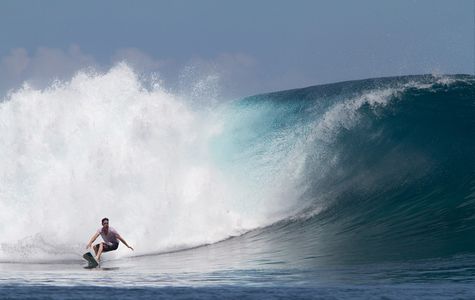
125,243
88,246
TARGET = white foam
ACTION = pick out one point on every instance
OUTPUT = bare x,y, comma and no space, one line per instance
103,145
345,114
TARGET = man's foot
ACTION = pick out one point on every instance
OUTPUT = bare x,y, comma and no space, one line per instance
98,259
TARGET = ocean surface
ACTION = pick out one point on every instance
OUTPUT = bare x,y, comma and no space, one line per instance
353,190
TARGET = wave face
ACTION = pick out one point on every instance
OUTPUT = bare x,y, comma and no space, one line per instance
384,168
362,170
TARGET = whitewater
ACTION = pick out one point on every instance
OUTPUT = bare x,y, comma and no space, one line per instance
351,190
100,145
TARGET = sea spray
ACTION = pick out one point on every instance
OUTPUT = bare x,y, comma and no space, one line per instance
104,145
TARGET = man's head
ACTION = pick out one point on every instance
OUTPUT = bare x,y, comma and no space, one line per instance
105,222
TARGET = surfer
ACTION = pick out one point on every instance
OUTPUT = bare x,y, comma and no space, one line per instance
111,239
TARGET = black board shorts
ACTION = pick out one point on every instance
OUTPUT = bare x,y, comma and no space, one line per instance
111,247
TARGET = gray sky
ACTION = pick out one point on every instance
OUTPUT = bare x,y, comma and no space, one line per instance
254,46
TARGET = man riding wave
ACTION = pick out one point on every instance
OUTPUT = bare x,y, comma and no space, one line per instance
111,239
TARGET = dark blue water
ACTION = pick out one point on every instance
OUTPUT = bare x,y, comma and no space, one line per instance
416,291
378,178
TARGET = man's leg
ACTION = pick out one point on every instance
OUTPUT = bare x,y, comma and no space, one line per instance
99,252
96,248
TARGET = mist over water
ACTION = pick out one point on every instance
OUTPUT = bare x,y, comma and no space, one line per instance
105,145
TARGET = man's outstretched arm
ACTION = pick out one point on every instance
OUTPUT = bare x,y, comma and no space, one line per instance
94,237
123,241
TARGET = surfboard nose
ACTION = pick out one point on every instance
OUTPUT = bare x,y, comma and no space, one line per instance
92,263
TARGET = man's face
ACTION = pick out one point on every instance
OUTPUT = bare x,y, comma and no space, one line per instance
105,225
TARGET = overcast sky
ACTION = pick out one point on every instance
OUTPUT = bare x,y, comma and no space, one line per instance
252,46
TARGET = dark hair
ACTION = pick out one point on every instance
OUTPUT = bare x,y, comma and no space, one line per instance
105,219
